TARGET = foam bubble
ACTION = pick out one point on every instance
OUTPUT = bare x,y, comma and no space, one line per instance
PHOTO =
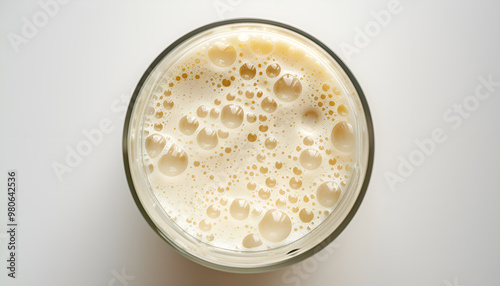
223,133
202,111
275,226
235,100
264,194
213,211
268,104
239,209
174,162
271,143
222,54
251,118
288,88
205,225
342,110
154,144
273,70
168,104
214,113
270,182
295,183
232,116
306,215
328,194
247,71
308,141
251,241
188,124
343,136
251,186
207,138
310,159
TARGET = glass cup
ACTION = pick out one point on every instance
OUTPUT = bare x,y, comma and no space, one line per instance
241,260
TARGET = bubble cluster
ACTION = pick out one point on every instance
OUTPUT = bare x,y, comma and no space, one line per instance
248,142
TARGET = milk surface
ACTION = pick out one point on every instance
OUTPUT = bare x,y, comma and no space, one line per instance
248,141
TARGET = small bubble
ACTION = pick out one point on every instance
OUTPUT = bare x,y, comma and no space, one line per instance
275,226
343,136
222,54
270,182
188,124
288,88
268,104
223,134
308,141
306,215
247,71
264,194
249,94
252,137
213,211
271,143
202,111
261,158
251,118
154,144
226,82
205,225
297,171
295,183
232,116
263,170
239,209
174,162
214,113
310,159
273,70
207,138
328,194
168,104
150,110
251,241
158,126
280,202
251,186
342,110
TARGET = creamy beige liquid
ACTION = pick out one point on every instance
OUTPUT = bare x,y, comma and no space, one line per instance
248,141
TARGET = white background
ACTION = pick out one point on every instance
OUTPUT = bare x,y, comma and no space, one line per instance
439,227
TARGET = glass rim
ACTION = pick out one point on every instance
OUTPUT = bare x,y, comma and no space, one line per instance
370,155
